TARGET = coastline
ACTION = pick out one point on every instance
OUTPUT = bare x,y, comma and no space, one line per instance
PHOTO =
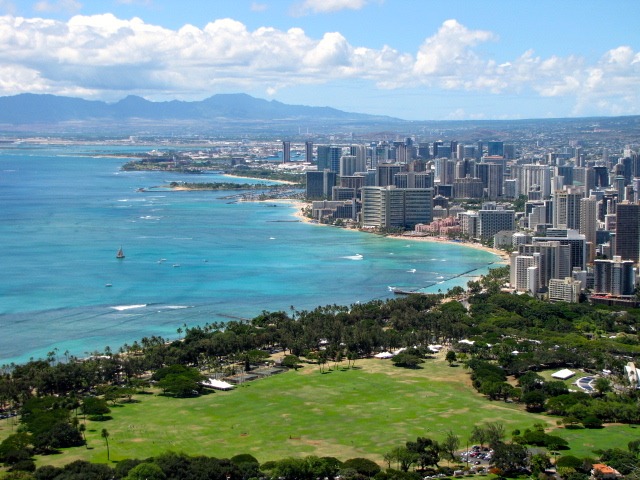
503,257
283,182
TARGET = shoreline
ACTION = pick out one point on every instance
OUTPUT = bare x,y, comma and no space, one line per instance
283,182
503,257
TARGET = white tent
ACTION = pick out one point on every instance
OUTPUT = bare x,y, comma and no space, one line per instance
218,384
384,355
563,374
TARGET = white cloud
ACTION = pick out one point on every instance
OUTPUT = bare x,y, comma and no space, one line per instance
107,57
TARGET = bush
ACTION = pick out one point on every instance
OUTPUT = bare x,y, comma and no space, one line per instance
363,466
592,422
569,461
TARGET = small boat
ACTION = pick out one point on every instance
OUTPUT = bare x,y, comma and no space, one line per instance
120,253
108,285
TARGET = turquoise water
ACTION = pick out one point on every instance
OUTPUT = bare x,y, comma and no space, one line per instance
191,257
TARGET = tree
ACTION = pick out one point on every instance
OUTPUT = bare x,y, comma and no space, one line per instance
495,433
407,360
146,471
291,361
478,434
105,434
602,385
95,407
534,400
451,357
509,457
363,466
450,445
427,451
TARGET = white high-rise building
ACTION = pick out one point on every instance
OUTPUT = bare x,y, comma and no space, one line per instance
589,224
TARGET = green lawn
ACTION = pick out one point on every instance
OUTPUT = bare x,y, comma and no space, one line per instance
345,413
584,441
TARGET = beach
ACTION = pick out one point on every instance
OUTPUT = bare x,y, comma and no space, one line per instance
501,254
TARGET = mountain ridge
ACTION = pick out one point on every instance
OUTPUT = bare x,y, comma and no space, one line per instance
30,108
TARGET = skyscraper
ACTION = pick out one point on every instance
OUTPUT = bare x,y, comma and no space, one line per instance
589,224
308,151
566,208
628,231
286,152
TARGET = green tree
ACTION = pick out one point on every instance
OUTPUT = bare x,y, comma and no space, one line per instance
146,471
451,357
602,385
450,445
509,457
105,434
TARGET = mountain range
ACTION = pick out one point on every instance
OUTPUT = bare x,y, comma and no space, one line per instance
47,109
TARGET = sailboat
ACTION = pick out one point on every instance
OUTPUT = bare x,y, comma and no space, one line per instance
120,253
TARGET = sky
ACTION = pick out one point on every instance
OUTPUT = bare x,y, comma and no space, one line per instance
410,59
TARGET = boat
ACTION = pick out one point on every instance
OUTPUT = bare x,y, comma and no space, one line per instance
120,253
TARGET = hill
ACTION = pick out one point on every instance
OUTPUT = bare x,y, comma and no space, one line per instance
42,109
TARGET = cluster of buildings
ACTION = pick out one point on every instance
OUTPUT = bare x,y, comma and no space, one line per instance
570,216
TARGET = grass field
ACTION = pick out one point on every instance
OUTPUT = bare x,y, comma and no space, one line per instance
362,412
583,442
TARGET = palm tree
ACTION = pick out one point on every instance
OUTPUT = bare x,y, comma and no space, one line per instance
105,434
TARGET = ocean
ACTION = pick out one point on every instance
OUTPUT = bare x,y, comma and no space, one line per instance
191,257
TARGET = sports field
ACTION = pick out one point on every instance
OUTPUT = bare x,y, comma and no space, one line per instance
346,413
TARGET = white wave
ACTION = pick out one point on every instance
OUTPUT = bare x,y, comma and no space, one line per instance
122,308
177,307
413,270
443,259
357,256
150,217
272,238
440,277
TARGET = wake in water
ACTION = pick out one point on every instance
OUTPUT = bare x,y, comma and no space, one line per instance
357,256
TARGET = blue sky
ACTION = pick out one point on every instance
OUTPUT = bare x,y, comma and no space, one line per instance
412,59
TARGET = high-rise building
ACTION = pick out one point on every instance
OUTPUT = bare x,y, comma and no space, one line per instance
495,149
566,208
533,178
614,277
564,290
574,240
628,231
445,170
468,187
589,224
320,184
349,165
308,151
492,221
323,157
387,207
286,152
492,176
335,153
386,174
413,180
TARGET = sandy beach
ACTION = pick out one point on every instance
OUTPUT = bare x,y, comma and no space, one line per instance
502,255
283,182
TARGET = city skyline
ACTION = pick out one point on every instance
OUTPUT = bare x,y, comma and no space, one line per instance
432,60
